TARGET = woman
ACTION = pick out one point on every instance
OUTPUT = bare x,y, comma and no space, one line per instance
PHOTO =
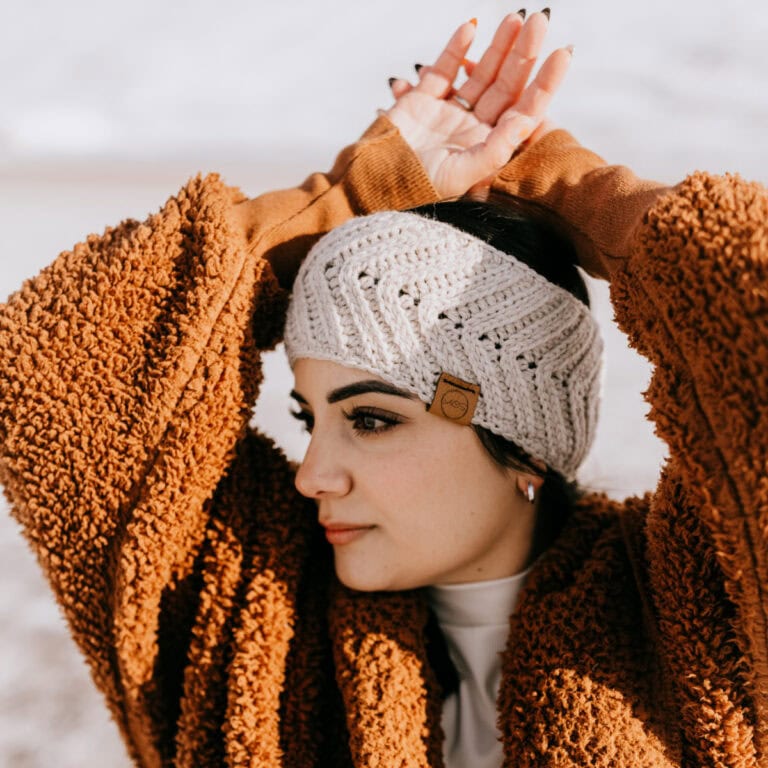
195,578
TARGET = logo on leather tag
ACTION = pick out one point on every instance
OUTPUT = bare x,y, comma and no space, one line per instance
455,399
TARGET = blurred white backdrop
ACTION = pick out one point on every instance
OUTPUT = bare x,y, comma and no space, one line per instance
106,109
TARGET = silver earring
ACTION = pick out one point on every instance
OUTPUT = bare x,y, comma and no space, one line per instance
531,492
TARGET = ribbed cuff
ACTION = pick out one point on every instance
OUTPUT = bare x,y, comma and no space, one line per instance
385,173
602,205
535,172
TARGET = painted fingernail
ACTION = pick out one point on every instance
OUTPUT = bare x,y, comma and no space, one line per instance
418,68
546,11
465,63
473,21
521,13
392,81
570,48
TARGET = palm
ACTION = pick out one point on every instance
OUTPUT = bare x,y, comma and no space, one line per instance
440,130
462,148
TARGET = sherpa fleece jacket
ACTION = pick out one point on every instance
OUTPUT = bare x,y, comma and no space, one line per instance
198,584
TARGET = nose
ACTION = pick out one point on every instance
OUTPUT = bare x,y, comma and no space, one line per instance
322,474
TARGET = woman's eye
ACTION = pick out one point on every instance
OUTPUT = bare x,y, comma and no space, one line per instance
305,418
367,423
371,422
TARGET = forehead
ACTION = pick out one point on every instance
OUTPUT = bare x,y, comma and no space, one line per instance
318,375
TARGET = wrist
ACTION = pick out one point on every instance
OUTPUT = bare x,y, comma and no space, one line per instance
387,174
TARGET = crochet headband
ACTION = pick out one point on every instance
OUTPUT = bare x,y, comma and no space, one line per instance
468,329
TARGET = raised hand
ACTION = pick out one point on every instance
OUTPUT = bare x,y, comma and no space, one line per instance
463,137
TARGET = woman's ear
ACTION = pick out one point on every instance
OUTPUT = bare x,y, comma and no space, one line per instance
529,486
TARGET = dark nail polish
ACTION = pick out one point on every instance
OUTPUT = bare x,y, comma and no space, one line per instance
546,12
521,13
418,68
392,81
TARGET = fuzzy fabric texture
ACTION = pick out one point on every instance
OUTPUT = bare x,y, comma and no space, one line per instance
196,581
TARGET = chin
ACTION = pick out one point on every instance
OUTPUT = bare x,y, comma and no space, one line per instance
361,583
368,582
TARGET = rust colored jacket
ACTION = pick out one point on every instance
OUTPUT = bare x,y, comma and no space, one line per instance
195,578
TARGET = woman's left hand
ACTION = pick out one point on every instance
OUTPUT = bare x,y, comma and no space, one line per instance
464,142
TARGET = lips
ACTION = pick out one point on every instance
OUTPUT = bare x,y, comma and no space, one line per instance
344,533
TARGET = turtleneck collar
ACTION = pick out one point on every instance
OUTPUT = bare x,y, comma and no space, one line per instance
477,604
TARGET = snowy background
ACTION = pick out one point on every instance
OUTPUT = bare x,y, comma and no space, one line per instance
106,109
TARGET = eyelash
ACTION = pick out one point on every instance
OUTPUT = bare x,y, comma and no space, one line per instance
356,417
305,418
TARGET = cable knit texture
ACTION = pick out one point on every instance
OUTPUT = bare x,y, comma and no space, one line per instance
408,298
193,576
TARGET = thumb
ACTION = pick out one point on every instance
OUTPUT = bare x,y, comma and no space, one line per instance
507,136
483,161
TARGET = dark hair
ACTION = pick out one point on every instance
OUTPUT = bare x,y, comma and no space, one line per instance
536,237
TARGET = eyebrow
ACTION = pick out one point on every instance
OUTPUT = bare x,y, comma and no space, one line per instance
364,387
359,388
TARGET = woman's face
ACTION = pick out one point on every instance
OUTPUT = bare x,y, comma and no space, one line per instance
407,498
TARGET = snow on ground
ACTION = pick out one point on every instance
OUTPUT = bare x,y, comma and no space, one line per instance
107,109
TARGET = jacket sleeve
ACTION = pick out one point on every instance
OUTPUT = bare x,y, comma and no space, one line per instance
689,283
128,370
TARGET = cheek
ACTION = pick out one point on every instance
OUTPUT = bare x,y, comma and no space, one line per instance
441,487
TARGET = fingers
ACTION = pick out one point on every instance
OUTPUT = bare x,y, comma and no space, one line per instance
536,98
484,72
438,79
514,70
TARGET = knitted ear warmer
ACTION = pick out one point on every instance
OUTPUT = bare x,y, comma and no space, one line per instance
408,298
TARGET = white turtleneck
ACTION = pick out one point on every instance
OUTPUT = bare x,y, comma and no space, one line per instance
474,619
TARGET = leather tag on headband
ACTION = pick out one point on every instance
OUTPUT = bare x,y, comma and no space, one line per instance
455,399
